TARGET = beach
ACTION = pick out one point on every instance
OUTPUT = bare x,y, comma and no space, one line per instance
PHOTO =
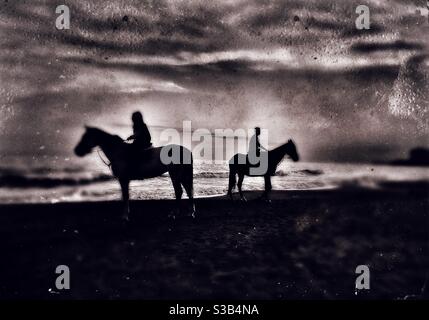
304,244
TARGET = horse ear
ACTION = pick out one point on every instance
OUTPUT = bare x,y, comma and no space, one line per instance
290,140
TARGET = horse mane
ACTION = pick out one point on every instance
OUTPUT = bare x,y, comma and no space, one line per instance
280,147
104,134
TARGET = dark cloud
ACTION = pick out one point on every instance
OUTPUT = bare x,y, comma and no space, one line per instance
351,31
368,47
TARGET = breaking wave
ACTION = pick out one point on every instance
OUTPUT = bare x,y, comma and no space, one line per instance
44,178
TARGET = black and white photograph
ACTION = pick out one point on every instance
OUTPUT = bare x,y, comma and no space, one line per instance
207,150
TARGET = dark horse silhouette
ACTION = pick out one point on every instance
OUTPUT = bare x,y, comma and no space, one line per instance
128,163
239,165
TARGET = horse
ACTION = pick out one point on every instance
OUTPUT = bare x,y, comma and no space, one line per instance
239,165
128,163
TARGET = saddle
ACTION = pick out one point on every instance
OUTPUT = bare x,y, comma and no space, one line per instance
139,152
258,158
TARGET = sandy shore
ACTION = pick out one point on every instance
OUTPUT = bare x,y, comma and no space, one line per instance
302,245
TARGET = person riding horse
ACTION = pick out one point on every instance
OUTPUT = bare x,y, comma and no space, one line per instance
141,134
127,166
254,152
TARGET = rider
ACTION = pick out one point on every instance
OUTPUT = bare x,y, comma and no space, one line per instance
141,136
255,147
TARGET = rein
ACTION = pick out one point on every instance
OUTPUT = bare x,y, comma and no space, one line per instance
108,164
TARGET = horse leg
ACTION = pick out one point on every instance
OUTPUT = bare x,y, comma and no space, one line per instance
125,198
231,183
268,187
187,183
178,191
239,184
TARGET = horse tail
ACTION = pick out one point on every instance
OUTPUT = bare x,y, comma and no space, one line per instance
188,177
189,185
191,178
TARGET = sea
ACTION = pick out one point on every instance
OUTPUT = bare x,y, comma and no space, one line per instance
53,179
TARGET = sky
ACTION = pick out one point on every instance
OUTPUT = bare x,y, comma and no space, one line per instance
299,69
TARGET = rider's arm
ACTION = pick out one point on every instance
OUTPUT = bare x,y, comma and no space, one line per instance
259,145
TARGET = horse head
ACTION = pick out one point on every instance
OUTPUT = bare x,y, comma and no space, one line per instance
87,142
291,150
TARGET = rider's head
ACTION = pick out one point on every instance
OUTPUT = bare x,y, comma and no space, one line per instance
257,131
137,117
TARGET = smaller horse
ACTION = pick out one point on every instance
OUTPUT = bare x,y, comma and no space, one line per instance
128,163
239,165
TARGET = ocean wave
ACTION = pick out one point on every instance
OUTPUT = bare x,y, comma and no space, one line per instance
304,172
45,177
280,173
223,174
41,171
48,170
16,180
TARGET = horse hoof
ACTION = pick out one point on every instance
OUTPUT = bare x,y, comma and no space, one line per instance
172,216
191,214
125,218
412,297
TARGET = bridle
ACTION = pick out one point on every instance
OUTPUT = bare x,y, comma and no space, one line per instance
108,164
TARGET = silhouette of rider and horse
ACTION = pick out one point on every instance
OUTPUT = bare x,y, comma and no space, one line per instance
139,160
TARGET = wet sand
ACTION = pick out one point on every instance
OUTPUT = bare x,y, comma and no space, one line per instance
302,245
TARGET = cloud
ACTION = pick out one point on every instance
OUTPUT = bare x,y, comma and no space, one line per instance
409,97
118,82
299,68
